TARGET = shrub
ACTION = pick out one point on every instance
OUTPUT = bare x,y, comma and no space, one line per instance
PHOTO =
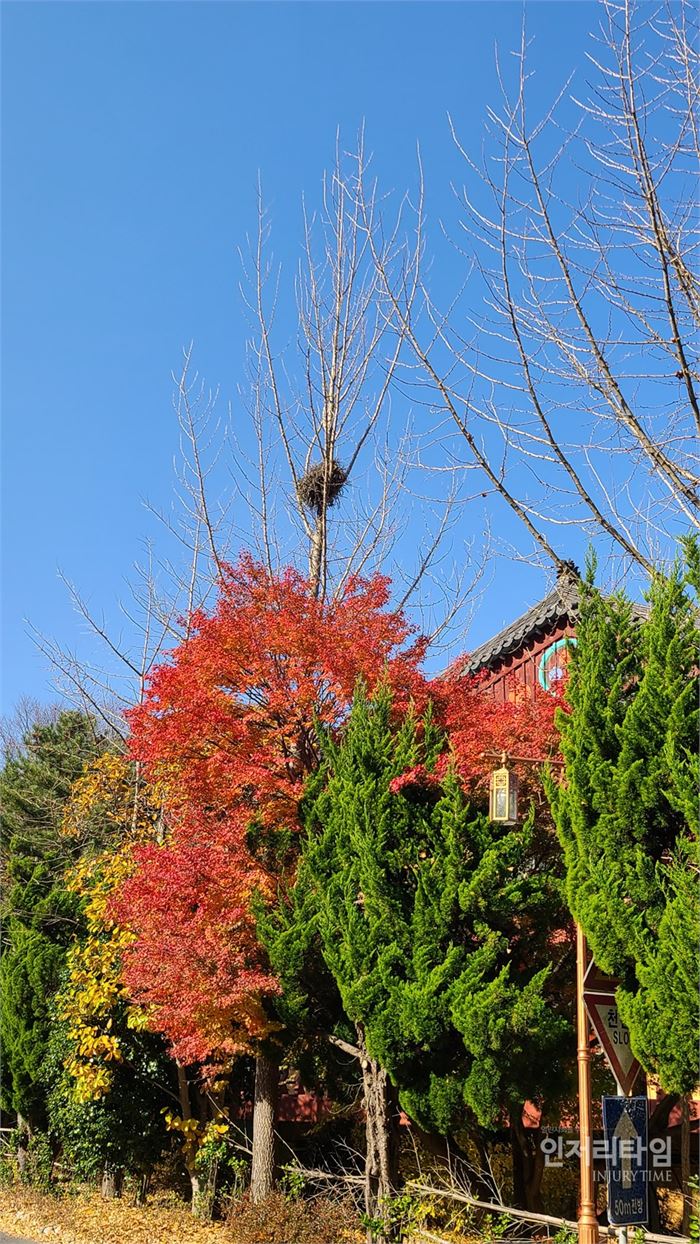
38,1167
278,1220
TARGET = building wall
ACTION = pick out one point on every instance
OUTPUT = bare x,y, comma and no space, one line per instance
523,667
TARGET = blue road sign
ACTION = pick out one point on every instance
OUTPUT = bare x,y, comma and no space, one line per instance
626,1156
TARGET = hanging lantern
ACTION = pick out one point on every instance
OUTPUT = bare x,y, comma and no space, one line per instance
503,796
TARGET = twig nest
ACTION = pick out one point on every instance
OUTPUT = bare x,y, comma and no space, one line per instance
317,488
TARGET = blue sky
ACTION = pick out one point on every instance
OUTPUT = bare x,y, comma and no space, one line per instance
133,134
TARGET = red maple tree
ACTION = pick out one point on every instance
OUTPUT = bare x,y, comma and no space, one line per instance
196,963
480,726
229,720
226,733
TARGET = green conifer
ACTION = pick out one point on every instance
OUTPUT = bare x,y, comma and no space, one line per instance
627,813
435,925
40,916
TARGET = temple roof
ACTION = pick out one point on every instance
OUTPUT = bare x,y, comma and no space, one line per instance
558,608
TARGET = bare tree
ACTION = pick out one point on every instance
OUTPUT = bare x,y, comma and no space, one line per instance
16,726
571,379
108,673
322,408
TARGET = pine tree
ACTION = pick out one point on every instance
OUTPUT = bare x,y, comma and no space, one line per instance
436,929
627,813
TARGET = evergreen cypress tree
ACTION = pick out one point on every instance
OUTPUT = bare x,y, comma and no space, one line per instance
627,814
603,667
436,928
39,915
662,1008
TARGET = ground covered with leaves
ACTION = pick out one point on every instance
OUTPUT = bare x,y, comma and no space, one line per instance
85,1218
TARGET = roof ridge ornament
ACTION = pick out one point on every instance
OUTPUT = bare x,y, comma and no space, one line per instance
568,570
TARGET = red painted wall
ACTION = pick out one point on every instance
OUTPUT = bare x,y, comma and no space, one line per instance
522,667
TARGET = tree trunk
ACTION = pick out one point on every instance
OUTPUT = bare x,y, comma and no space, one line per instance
518,1168
528,1165
382,1148
658,1124
24,1135
141,1190
316,559
262,1175
658,1120
112,1181
482,1180
186,1108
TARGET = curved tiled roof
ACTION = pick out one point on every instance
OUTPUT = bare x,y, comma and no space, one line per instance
557,608
560,605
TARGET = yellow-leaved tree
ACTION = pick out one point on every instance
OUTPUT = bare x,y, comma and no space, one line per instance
110,1080
94,1003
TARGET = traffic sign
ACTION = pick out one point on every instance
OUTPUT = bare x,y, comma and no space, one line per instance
595,981
625,1126
614,1037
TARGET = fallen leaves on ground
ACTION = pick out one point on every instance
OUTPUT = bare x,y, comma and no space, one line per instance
87,1219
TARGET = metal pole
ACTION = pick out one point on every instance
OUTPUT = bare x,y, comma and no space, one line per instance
622,1233
587,1221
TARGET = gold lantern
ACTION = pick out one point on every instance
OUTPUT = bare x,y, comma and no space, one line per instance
503,796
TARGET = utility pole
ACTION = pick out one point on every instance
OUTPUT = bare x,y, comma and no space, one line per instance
587,1222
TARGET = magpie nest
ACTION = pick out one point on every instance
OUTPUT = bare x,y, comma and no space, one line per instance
310,488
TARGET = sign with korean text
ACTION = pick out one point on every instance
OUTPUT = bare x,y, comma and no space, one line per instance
626,1160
